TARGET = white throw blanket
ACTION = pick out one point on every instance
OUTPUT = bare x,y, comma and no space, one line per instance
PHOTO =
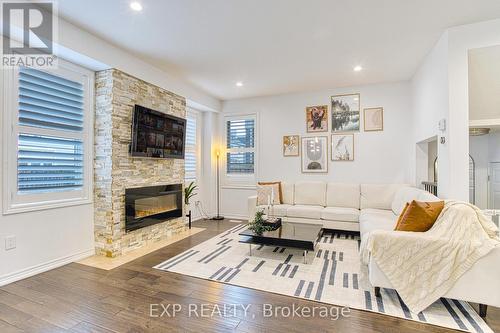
423,266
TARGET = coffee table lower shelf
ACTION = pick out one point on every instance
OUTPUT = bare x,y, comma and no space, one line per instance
306,246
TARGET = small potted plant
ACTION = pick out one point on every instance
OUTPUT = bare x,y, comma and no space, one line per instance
189,192
259,224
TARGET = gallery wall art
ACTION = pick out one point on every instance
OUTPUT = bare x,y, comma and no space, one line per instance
317,118
315,154
373,119
345,117
345,113
291,145
342,147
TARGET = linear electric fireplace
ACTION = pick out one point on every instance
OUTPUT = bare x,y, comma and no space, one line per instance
145,206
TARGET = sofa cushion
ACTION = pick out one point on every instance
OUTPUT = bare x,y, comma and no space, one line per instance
427,197
342,195
340,214
278,210
305,211
310,193
378,196
407,194
403,196
287,190
376,219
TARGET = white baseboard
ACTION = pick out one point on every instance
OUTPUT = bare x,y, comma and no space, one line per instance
227,216
197,218
235,216
47,266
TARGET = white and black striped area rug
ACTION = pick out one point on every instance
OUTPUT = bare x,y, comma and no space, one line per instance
330,276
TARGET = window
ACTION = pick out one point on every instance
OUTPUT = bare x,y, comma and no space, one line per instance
240,146
50,137
190,157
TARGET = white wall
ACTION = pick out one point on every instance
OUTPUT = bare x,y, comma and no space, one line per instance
45,239
484,83
461,40
380,157
440,90
430,91
430,104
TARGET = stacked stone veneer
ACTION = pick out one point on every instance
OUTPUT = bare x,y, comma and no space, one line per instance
114,168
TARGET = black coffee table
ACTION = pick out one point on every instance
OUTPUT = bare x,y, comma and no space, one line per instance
302,236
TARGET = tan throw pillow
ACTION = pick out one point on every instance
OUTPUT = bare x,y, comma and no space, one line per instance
264,190
419,216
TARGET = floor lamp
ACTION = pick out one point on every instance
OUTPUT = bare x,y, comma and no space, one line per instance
218,217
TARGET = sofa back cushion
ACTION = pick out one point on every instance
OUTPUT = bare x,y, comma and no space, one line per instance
310,193
407,194
342,195
287,190
378,196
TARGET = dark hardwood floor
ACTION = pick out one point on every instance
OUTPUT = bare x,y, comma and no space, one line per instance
79,298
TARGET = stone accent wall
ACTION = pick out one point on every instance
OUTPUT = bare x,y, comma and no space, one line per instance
115,170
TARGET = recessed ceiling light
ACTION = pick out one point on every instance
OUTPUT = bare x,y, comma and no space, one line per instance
136,6
358,68
239,84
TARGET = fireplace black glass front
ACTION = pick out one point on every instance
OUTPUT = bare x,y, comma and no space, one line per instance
145,206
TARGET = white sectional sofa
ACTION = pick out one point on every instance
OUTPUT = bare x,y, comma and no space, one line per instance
367,207
336,205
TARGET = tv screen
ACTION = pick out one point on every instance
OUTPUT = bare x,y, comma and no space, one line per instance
156,134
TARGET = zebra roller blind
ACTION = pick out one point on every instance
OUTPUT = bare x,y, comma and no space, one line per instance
240,146
190,152
49,104
48,101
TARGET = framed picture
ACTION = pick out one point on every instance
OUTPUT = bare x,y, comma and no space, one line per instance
342,147
315,154
291,145
345,113
373,119
317,118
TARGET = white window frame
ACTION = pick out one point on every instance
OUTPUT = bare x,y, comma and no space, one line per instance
13,202
195,114
240,180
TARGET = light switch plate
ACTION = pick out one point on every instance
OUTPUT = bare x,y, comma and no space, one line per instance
442,125
10,242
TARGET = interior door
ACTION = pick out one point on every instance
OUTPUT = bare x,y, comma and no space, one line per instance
495,185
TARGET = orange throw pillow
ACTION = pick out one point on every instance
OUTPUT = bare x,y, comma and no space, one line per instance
419,216
402,214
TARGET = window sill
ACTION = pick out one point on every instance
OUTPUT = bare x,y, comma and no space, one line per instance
24,208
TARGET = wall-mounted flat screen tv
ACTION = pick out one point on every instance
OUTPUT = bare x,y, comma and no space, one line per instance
156,134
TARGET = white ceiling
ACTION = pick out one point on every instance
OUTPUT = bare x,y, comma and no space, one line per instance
278,46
